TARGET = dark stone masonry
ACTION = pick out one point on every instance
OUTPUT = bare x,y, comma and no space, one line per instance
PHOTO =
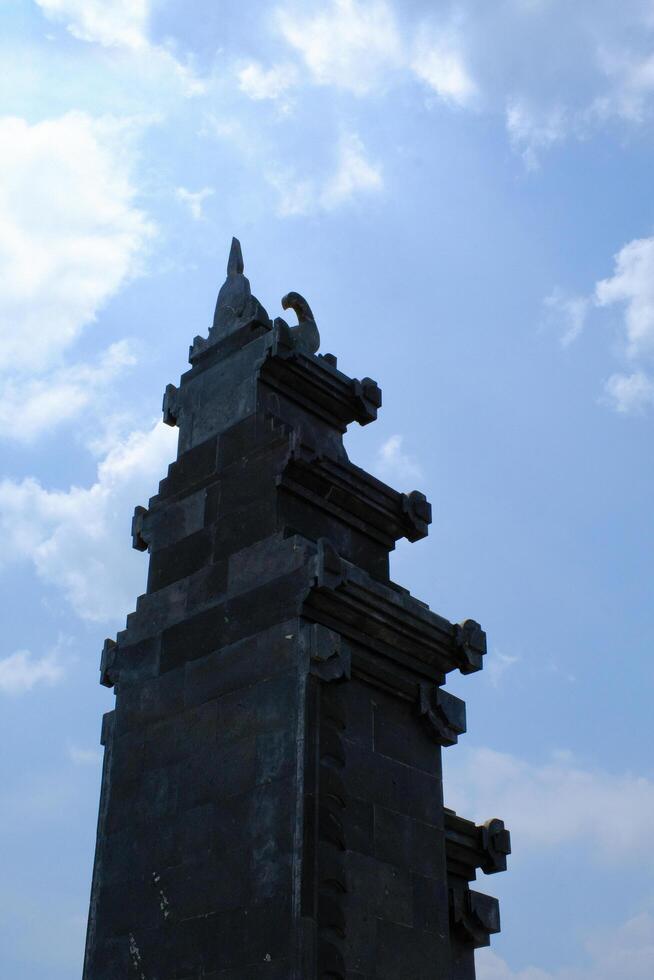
272,802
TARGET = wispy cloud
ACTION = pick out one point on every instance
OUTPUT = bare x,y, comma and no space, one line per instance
632,286
569,313
71,234
556,803
347,44
532,131
625,952
631,290
630,74
77,540
34,405
630,394
438,61
84,757
365,47
108,22
21,671
354,175
122,24
497,664
272,83
393,463
194,200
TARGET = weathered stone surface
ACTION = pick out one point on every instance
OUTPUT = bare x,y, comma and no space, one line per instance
272,798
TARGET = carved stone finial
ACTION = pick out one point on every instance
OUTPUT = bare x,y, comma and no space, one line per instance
305,337
293,301
236,307
234,295
235,266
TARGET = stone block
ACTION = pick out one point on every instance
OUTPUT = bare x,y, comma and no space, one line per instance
409,843
398,735
191,470
194,637
385,889
378,779
178,560
402,952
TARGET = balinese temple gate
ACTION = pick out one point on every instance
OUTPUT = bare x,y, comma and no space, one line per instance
272,801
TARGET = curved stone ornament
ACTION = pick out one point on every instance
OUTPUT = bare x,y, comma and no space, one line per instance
305,336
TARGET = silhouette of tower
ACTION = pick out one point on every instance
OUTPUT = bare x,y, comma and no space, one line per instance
271,803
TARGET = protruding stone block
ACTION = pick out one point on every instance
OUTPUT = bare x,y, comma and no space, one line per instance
138,521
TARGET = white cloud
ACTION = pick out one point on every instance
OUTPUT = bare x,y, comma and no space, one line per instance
349,44
260,83
393,463
489,966
632,284
107,22
556,803
630,394
295,195
194,200
631,82
439,62
78,540
622,953
497,665
361,46
354,174
123,24
531,131
70,233
84,757
31,406
570,312
21,671
631,287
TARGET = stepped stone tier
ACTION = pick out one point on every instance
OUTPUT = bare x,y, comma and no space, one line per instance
272,803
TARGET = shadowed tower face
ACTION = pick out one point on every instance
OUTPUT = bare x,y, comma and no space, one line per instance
272,801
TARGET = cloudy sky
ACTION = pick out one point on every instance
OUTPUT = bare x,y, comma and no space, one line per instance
463,192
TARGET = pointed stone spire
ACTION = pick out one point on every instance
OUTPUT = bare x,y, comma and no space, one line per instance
235,264
236,306
235,291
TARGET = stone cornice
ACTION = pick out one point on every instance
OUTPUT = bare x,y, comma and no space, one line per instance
355,497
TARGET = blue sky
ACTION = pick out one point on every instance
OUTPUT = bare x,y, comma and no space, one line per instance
463,192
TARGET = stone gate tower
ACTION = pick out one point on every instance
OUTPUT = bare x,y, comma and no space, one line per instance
272,804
